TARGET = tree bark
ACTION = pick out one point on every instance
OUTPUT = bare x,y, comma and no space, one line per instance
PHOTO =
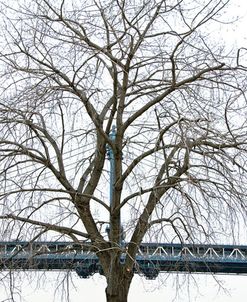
119,293
118,283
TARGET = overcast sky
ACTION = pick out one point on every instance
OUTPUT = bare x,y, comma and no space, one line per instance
168,288
198,288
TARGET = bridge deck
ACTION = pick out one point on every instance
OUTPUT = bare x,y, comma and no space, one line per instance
151,258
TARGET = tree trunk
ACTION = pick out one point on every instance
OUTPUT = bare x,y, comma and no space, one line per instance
120,295
118,284
117,292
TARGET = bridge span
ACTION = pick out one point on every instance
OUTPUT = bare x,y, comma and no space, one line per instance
151,259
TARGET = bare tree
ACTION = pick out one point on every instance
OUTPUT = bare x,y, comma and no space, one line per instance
70,72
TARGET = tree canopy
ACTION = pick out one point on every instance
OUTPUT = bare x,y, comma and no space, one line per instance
73,70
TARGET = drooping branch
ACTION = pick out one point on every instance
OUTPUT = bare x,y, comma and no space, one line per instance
47,226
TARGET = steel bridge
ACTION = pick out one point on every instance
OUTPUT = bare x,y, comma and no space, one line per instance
151,258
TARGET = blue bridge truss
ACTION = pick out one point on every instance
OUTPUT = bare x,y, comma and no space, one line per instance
151,258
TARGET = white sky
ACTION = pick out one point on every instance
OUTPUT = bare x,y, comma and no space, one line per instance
168,288
196,288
